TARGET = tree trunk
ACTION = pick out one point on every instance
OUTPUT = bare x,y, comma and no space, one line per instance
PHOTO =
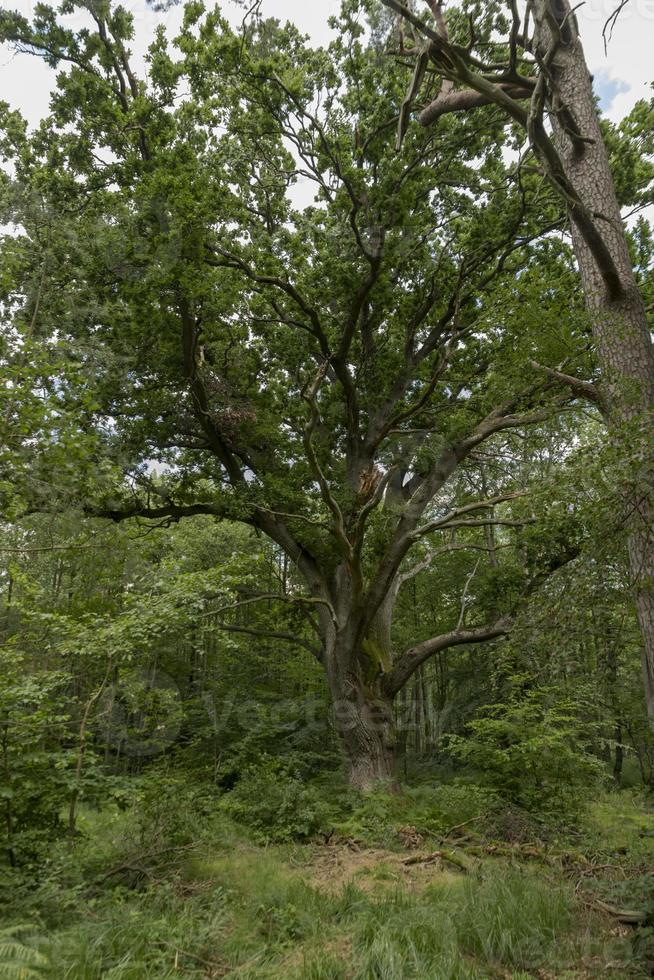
362,713
363,717
619,755
368,734
641,552
619,320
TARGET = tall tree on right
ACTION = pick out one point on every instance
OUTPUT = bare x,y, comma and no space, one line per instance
539,73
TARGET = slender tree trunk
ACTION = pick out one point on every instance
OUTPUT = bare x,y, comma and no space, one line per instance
9,815
641,557
619,755
619,320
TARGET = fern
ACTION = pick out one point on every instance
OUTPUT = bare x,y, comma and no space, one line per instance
18,961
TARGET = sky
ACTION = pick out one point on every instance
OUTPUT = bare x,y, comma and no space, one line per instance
622,76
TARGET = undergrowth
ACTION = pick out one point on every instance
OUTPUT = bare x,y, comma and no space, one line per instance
175,886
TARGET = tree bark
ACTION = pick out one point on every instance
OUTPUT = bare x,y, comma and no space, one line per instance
363,717
362,710
619,320
368,734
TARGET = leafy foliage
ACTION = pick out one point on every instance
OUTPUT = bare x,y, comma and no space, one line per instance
274,800
530,748
18,960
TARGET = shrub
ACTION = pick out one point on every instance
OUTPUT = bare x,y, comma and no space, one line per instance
272,799
433,809
531,750
444,806
36,770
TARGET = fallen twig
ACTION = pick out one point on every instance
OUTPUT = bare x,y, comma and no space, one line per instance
631,917
459,826
450,857
131,866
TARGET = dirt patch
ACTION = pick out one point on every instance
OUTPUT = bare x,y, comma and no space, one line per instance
371,869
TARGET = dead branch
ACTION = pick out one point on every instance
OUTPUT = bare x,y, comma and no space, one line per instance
466,99
610,24
449,856
583,388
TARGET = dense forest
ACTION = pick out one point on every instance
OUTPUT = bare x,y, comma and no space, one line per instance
326,499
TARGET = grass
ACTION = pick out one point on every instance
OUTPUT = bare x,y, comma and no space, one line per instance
621,822
228,907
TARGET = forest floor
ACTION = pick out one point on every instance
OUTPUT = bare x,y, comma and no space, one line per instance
385,904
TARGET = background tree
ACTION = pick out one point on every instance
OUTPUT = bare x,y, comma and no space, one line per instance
543,62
